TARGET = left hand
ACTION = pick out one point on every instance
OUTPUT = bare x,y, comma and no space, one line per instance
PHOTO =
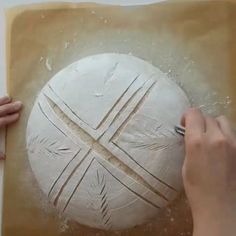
9,113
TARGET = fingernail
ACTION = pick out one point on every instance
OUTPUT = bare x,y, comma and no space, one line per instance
6,99
18,104
16,116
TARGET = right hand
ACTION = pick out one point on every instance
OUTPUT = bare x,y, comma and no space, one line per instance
209,173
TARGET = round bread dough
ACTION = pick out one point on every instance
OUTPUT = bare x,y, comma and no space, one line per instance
101,141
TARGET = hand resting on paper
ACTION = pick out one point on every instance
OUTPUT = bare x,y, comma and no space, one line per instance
9,113
209,174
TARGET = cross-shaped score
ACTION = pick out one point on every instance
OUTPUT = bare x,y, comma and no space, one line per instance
102,144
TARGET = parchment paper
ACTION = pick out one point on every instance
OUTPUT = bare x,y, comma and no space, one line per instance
192,42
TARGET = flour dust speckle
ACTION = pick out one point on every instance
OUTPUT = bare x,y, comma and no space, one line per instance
67,45
64,226
48,64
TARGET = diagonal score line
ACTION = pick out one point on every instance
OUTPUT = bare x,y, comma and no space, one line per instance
72,194
117,102
103,121
65,104
101,150
151,203
63,171
55,202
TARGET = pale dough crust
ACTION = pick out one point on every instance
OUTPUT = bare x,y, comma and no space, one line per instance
101,141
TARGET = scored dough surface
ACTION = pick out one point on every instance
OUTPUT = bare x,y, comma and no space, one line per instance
101,141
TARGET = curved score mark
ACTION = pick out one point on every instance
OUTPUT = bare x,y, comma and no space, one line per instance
111,72
104,205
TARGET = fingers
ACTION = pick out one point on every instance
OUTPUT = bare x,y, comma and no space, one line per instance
2,156
212,128
225,127
182,122
10,108
5,100
9,113
9,119
194,123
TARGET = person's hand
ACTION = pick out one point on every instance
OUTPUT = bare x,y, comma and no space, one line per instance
209,173
9,113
